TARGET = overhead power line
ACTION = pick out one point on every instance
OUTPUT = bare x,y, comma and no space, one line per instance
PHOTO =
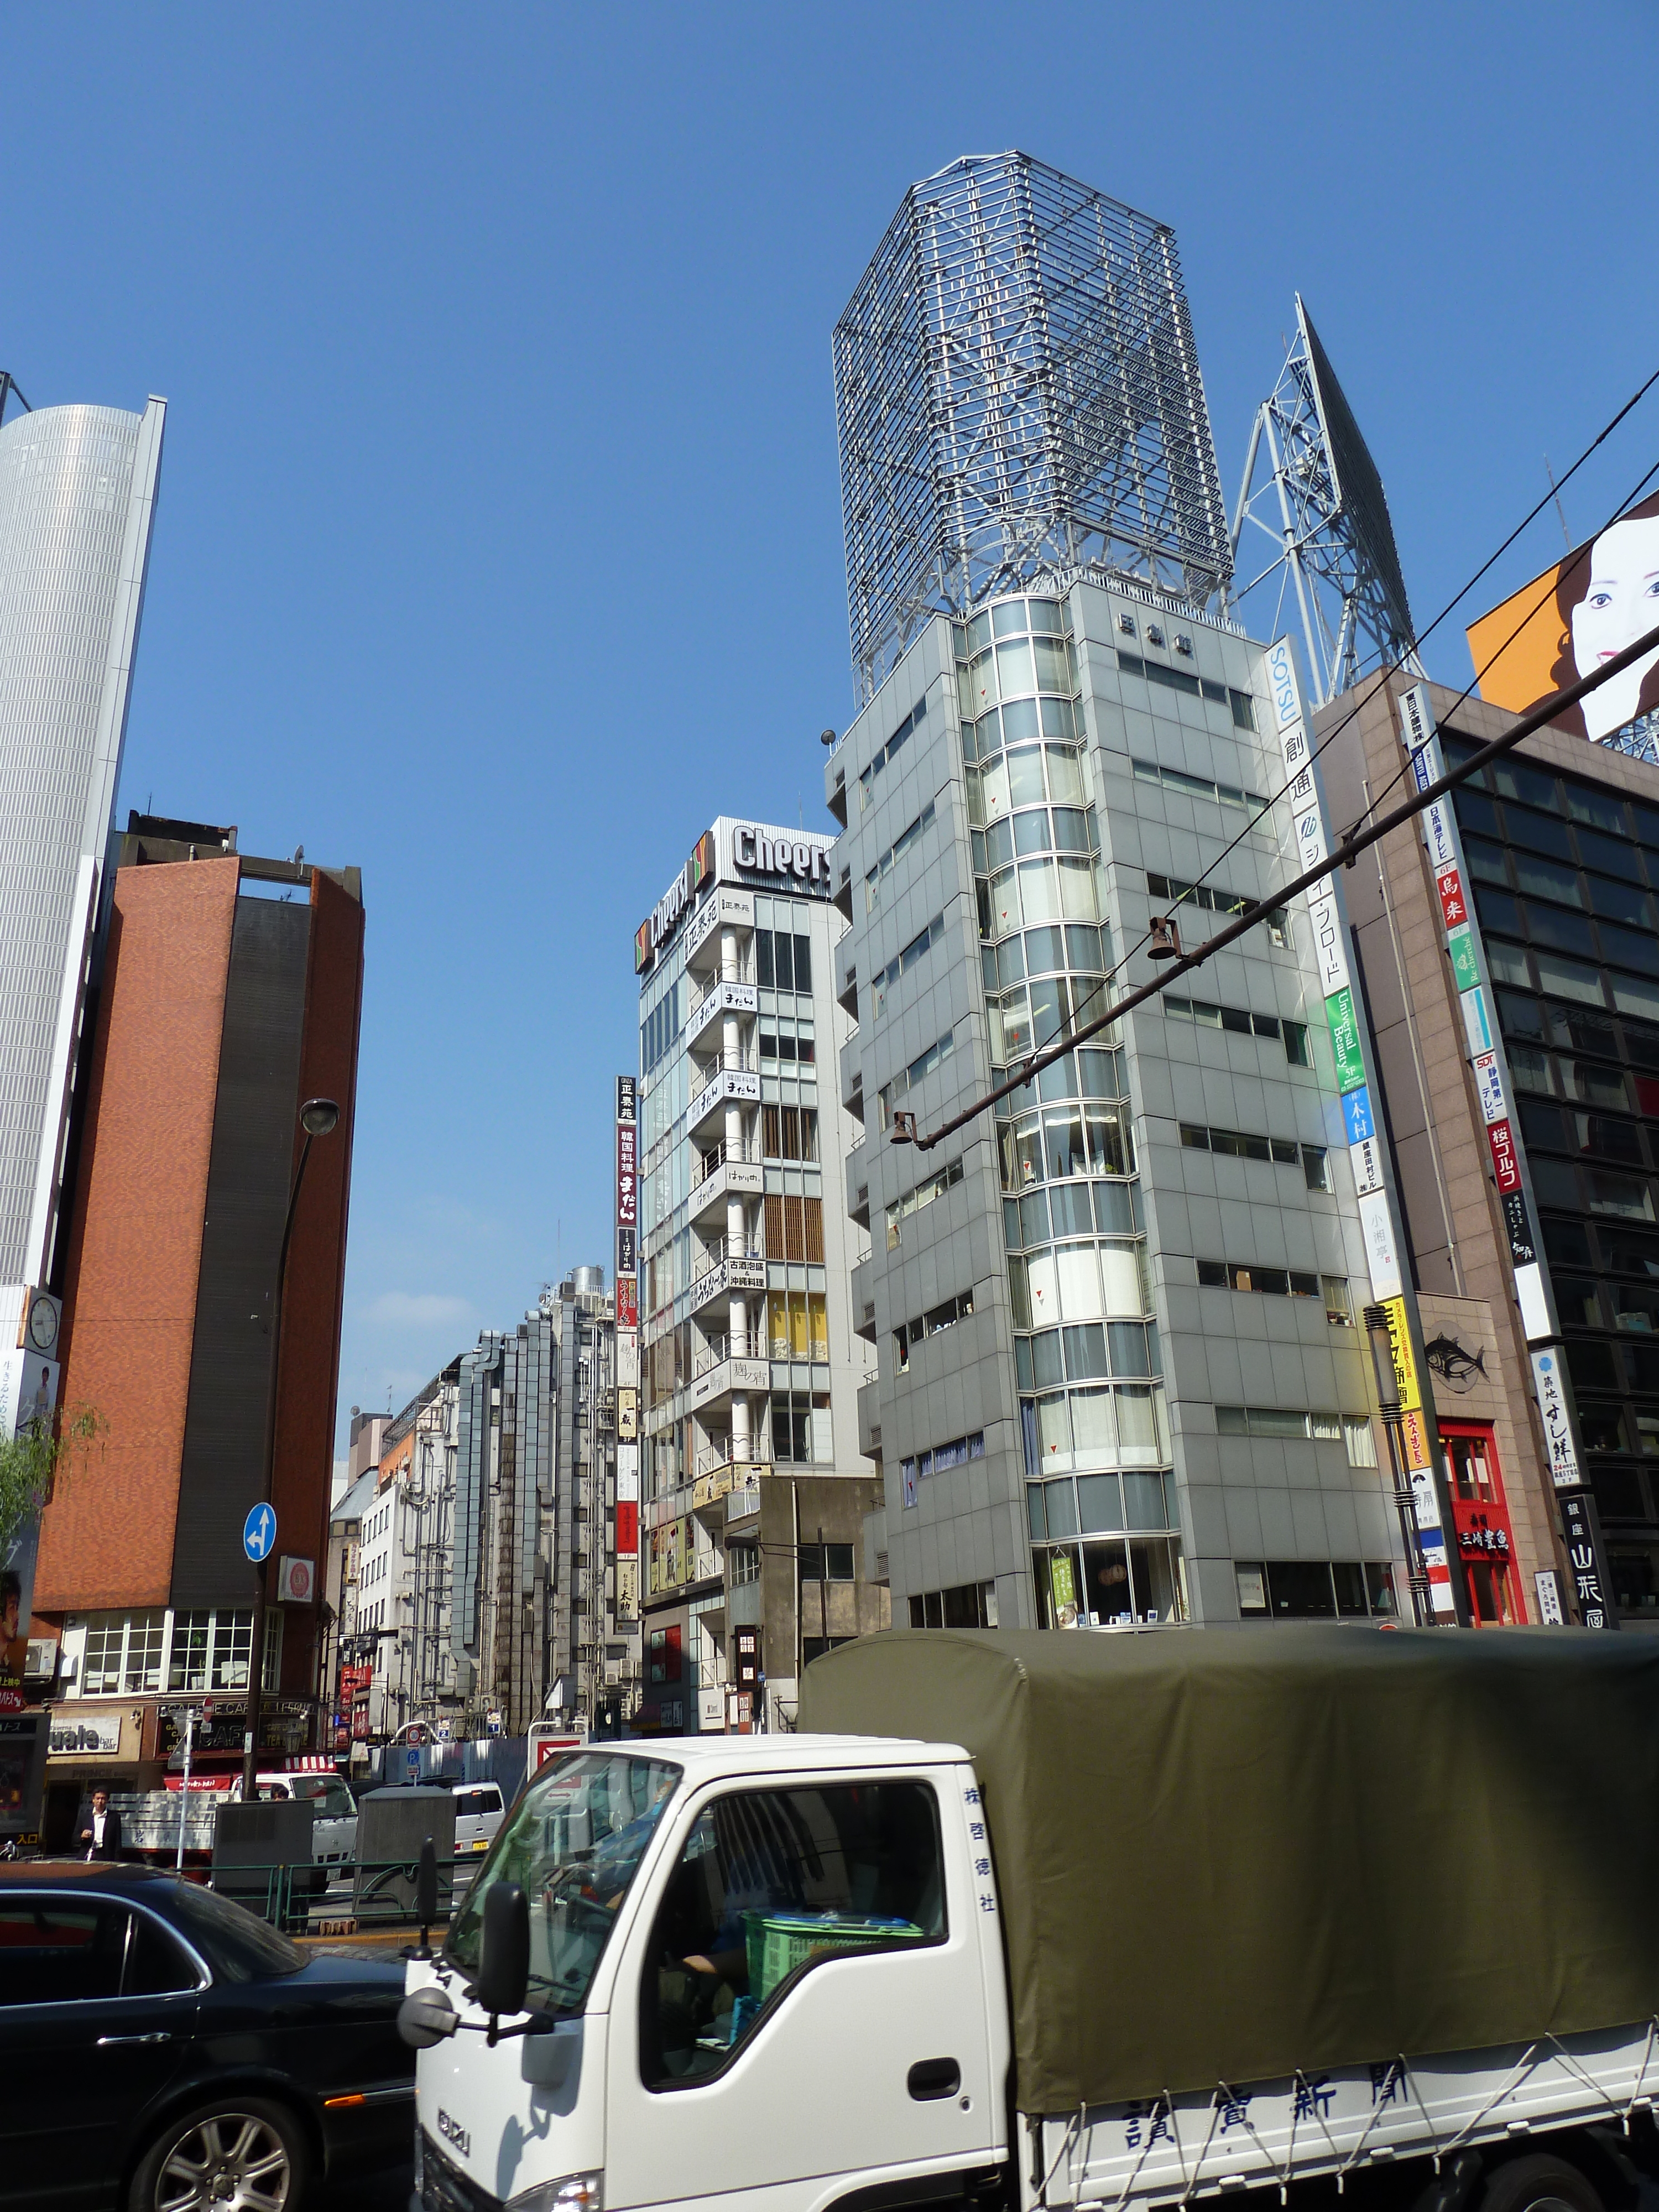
1356,841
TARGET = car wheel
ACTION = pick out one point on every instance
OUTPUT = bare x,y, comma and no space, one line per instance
1538,2183
238,2154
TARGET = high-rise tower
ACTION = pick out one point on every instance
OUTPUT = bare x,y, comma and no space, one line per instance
1018,398
78,496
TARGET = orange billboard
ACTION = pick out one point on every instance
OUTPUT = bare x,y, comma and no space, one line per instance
1565,623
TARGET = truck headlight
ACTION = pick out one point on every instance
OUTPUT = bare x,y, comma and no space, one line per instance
573,2192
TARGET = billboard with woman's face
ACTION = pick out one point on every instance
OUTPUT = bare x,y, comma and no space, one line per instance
1566,623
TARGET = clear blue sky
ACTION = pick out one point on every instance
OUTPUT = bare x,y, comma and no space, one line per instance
500,547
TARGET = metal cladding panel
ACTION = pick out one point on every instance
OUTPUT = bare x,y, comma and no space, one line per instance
479,1370
1358,486
76,495
252,1160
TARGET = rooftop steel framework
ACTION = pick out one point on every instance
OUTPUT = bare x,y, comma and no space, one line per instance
1328,516
1018,397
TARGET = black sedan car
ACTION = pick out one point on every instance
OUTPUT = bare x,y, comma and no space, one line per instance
161,2050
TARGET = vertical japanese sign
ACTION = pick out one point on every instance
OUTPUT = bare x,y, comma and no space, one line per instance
1489,1067
1350,1055
628,1350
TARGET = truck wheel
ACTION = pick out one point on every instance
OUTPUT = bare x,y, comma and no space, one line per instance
242,2151
1536,2183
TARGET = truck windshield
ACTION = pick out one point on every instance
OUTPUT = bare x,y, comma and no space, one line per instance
572,1843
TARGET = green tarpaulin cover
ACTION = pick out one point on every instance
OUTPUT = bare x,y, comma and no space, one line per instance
1225,1855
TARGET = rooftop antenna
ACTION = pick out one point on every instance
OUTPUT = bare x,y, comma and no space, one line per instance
1328,515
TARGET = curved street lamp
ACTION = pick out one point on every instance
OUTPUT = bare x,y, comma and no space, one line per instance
318,1117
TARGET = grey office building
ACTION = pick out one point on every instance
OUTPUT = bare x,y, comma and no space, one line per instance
77,495
1119,1373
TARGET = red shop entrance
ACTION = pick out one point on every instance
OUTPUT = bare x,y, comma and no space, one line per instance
1486,1541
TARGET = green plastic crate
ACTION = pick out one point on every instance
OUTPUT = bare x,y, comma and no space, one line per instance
778,1942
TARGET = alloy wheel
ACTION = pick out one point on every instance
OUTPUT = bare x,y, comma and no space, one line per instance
227,2162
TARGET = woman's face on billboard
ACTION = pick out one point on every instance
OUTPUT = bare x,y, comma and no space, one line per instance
1620,602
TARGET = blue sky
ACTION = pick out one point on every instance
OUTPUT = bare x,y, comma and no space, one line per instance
499,548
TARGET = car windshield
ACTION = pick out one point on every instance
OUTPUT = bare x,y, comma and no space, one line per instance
238,1947
573,1844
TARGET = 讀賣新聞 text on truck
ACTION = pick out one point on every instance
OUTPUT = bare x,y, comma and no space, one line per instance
1120,1920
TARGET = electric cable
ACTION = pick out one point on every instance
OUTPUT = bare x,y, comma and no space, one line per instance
1349,847
1379,681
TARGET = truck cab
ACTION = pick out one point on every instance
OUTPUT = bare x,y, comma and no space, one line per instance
702,1926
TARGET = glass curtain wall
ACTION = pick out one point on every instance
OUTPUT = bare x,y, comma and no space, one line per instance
1093,1419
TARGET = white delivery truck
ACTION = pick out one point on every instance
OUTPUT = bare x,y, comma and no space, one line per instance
1101,1919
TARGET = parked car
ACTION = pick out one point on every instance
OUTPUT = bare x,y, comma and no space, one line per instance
479,1811
162,2047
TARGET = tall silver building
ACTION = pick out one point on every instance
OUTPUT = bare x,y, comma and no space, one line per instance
1120,1374
78,498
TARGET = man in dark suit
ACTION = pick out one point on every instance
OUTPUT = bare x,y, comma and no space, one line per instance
102,1836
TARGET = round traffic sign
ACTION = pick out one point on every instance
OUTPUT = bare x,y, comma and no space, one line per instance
259,1532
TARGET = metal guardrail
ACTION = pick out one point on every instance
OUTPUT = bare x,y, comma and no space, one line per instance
368,1894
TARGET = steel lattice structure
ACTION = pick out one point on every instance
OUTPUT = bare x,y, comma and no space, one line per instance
1328,516
1018,396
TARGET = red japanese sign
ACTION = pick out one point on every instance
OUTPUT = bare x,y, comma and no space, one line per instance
1506,1165
1453,906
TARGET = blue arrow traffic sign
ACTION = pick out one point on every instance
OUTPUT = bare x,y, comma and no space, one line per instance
259,1532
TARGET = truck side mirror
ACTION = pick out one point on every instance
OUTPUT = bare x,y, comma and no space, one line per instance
504,1950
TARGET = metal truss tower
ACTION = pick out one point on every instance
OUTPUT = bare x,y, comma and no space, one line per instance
1328,515
1018,397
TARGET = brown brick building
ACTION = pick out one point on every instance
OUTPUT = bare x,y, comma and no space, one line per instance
231,991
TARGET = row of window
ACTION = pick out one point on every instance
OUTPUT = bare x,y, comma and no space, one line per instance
966,1605
1133,1345
1197,786
1558,929
1583,1080
938,1460
895,852
661,1026
1242,705
795,1041
902,963
1073,945
1556,975
1611,899
800,1428
1088,1072
1126,1426
924,1064
889,751
130,1654
923,1194
1071,1209
1033,1016
1239,1145
1018,724
1034,830
1050,890
798,1325
1170,892
1559,800
1026,775
1100,1505
1315,1590
1081,1282
1092,1139
1110,1580
1280,1282
1242,1023
1010,618
783,960
1286,1425
1013,669
1595,1364
937,1319
789,1132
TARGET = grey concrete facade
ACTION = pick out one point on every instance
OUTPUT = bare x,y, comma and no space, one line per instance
1119,1371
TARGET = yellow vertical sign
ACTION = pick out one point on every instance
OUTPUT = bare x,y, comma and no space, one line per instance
1399,1346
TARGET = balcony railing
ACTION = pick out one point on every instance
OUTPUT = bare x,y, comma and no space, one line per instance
734,1058
711,1161
734,1345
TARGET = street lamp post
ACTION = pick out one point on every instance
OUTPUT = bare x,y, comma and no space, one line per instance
1388,1401
317,1118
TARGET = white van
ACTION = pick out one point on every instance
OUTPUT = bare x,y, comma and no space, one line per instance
479,1811
334,1829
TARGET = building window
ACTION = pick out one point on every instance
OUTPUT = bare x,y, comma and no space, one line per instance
1315,1590
800,1428
743,1563
967,1605
1169,893
923,1194
826,1563
1237,1144
783,961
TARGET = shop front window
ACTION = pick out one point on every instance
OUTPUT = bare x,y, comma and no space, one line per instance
1485,1539
1114,1582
